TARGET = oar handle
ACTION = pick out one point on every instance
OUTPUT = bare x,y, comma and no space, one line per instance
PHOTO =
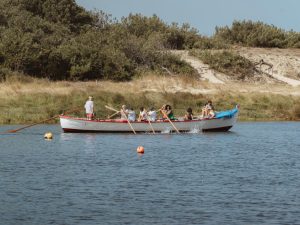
148,118
128,121
169,121
113,114
110,108
42,121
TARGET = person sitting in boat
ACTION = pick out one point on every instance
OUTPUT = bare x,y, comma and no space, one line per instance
208,110
211,113
167,112
143,114
89,108
189,114
131,115
124,112
152,115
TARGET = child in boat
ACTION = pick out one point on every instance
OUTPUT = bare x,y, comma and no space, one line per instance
131,115
189,114
152,115
143,114
89,108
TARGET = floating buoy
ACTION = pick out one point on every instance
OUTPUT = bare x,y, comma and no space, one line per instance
48,136
140,150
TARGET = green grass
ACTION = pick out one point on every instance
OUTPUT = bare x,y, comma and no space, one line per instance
30,108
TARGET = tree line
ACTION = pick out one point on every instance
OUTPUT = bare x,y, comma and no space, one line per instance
59,40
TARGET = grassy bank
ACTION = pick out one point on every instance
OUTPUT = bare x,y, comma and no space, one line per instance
25,101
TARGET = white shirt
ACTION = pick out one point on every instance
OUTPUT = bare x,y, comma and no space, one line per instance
143,115
152,115
131,115
124,114
89,107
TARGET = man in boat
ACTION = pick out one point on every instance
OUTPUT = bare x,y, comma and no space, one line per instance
89,108
124,112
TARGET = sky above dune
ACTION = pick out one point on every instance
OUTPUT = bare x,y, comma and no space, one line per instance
205,15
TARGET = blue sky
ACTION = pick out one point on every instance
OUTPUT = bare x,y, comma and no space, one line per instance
205,15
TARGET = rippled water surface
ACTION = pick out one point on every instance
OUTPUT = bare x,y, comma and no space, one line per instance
250,175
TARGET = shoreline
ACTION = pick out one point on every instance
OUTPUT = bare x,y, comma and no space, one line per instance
27,102
238,121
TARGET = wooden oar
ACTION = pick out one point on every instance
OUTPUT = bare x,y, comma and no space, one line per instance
128,121
169,121
43,121
110,108
113,114
148,118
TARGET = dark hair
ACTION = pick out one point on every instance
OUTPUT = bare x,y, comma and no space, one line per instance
189,110
152,108
142,109
209,101
168,107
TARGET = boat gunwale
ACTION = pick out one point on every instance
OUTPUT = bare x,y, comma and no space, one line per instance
136,122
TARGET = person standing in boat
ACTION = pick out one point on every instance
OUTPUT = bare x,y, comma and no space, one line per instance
89,108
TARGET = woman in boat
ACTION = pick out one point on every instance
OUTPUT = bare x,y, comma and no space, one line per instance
211,111
89,108
208,110
152,115
143,114
189,114
167,112
131,115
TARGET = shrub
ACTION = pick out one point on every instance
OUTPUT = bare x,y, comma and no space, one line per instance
257,34
227,62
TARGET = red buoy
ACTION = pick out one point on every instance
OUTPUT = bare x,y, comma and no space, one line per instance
140,150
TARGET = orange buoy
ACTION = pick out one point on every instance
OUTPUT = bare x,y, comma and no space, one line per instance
140,150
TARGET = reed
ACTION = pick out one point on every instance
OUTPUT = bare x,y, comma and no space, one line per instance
23,102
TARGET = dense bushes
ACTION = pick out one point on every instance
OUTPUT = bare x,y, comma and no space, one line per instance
258,34
59,40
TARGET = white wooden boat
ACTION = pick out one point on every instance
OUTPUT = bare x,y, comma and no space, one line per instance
223,121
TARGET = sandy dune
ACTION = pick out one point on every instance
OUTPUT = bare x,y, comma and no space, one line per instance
205,72
285,64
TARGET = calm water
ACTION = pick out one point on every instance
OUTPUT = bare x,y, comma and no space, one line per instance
248,176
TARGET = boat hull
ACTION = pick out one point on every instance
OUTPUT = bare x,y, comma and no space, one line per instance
80,125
